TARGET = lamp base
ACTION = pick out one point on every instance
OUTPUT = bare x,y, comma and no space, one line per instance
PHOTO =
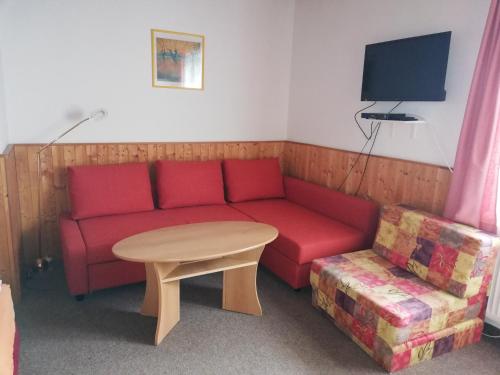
42,264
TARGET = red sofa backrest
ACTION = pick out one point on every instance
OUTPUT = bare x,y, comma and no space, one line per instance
247,180
100,190
189,183
356,212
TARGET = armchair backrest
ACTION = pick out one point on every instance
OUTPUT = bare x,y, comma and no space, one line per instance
454,257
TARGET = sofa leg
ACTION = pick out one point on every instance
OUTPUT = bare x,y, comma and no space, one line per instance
80,297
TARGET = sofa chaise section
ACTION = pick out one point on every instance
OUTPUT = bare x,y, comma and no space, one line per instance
313,221
304,234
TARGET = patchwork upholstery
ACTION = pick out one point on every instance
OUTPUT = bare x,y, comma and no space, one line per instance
398,357
448,255
394,314
376,298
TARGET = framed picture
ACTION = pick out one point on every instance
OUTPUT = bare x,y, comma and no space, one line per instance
177,59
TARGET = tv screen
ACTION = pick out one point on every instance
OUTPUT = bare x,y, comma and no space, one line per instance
411,69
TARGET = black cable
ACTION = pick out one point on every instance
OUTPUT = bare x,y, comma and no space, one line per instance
373,144
377,128
357,159
357,123
363,148
396,106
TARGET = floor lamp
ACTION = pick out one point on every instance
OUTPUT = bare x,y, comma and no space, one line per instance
43,261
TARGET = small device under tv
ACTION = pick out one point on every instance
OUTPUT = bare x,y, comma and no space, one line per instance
410,69
388,116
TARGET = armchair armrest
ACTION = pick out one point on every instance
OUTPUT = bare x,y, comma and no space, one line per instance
359,213
74,254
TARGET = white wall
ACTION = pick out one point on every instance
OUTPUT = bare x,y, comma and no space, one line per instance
327,67
3,120
64,57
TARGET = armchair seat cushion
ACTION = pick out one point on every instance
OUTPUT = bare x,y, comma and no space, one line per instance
304,235
380,303
101,233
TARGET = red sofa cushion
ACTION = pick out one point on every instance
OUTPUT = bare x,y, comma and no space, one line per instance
253,179
304,234
74,254
221,212
109,189
182,184
295,275
111,274
101,233
353,211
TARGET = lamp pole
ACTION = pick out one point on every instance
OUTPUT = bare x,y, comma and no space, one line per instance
42,261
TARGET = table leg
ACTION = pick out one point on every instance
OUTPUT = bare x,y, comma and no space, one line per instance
150,304
168,301
240,287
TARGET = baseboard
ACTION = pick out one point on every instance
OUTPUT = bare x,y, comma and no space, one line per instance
493,322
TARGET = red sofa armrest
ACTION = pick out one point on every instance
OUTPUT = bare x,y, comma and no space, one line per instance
74,255
359,213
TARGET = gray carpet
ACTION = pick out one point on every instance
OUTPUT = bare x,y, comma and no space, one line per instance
105,335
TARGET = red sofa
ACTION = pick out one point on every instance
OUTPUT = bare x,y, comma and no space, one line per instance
112,202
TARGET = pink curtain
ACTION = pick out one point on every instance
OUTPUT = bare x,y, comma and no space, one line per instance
472,198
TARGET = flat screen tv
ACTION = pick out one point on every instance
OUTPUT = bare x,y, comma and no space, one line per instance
410,69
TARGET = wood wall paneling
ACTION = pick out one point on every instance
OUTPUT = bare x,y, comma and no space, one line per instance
387,180
10,225
57,158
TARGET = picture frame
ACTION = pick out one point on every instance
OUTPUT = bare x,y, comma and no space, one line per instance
178,59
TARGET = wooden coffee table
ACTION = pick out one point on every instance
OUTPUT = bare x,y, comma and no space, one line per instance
175,253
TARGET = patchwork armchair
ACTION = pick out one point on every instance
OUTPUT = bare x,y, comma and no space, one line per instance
419,293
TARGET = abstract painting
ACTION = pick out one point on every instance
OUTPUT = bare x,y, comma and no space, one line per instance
177,59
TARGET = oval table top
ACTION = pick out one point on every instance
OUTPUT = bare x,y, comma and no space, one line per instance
192,242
